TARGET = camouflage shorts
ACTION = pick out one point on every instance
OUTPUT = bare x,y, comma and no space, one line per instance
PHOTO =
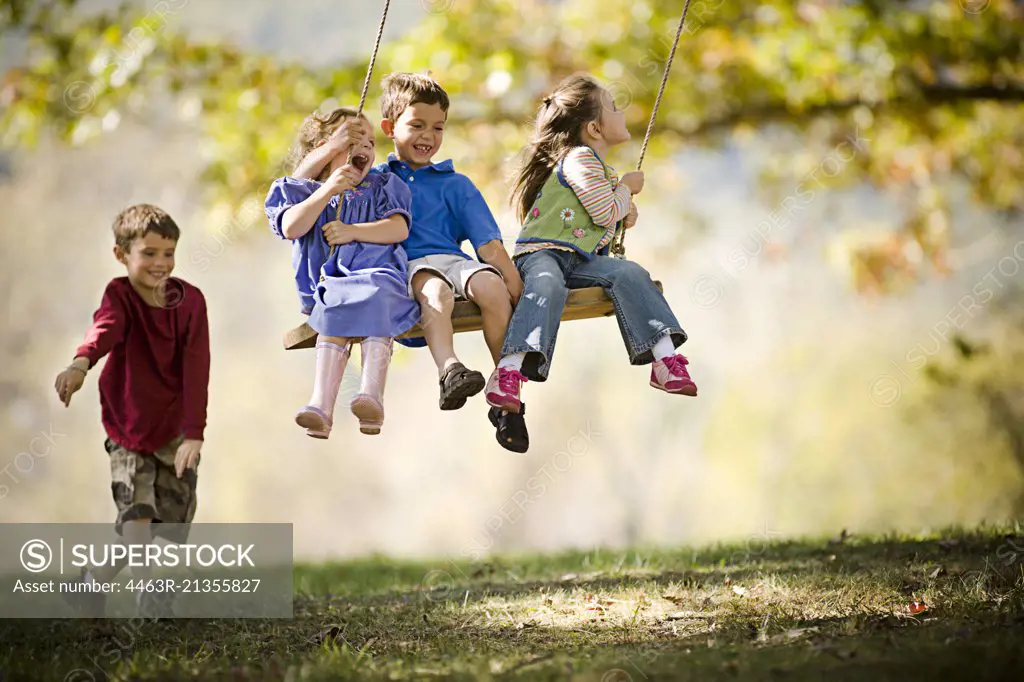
145,486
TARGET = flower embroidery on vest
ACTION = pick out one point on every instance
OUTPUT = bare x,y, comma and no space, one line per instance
567,215
535,213
578,233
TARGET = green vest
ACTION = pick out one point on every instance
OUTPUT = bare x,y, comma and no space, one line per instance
558,216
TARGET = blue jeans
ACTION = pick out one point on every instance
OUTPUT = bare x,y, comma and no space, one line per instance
641,310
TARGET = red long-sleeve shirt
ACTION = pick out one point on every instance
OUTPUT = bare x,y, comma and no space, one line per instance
154,385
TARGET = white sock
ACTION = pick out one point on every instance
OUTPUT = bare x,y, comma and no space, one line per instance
514,361
664,347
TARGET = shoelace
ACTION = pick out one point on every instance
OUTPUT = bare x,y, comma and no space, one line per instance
509,380
676,365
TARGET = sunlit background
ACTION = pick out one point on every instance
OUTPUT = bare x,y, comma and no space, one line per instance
833,205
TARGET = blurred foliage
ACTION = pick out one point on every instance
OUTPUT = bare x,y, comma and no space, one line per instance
904,96
986,375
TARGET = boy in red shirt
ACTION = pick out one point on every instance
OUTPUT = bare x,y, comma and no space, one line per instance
153,389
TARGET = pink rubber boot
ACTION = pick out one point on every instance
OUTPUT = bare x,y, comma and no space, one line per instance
318,417
368,404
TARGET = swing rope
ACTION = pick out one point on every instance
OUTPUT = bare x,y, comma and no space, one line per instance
618,247
366,87
373,57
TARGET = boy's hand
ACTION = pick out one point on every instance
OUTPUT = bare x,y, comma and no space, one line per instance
69,381
349,133
187,456
515,287
630,219
343,179
634,180
338,233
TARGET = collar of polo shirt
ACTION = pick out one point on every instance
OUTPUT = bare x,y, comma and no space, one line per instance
397,165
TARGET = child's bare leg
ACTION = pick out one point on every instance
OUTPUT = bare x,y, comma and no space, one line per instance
331,357
437,301
137,532
488,291
436,304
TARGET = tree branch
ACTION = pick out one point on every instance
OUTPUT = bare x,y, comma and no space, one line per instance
775,112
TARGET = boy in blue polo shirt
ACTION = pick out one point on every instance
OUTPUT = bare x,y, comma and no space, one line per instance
447,209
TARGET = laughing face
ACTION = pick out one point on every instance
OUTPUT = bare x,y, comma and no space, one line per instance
363,154
150,261
417,133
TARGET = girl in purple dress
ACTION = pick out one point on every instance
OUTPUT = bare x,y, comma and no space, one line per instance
351,272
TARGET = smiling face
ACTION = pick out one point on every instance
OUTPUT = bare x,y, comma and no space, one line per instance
417,133
363,153
149,260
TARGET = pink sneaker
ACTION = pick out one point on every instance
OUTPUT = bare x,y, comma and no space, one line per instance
670,375
503,389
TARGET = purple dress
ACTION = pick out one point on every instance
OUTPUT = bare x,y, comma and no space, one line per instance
363,289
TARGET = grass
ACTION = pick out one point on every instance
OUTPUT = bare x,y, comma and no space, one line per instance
939,607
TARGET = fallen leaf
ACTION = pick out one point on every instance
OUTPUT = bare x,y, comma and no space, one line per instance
569,576
916,607
939,570
739,590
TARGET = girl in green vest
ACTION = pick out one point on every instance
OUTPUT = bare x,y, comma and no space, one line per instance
569,202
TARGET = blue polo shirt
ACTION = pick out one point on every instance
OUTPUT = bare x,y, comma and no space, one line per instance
447,209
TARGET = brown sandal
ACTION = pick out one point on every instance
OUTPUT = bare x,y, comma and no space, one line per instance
458,384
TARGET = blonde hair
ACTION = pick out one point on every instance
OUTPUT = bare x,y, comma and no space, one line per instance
315,129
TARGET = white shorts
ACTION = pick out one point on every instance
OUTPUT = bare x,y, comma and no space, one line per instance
455,270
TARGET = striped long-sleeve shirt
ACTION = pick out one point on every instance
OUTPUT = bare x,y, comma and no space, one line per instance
605,199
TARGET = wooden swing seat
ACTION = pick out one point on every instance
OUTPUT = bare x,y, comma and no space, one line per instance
582,304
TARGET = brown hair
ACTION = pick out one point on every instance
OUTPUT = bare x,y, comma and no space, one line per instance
402,90
559,127
315,129
139,220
